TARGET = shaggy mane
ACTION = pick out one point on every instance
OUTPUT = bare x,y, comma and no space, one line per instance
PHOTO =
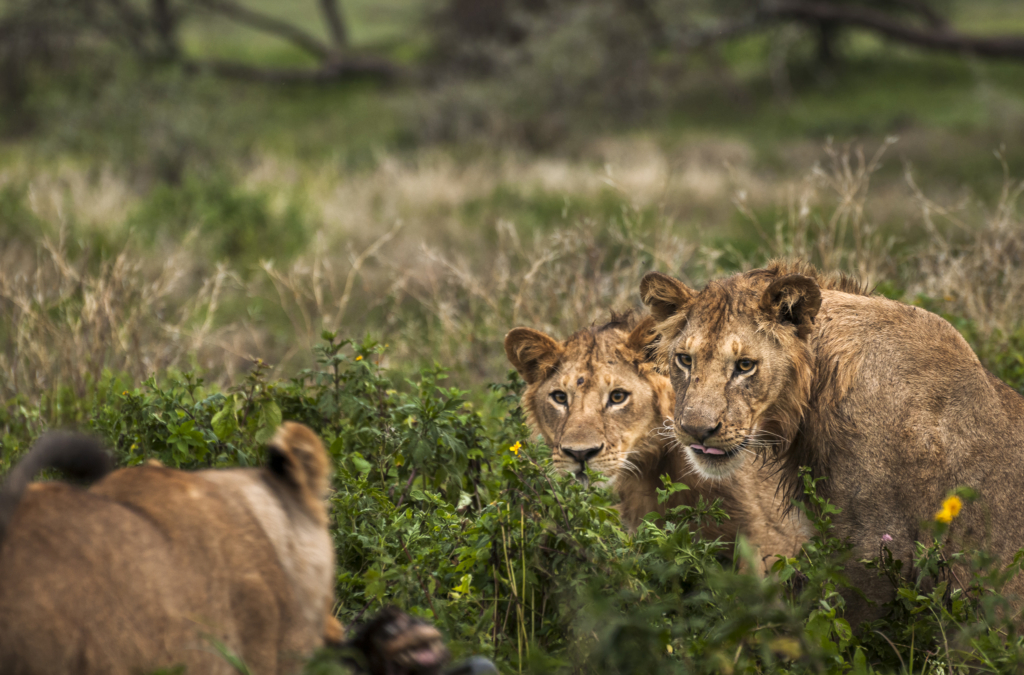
827,281
626,321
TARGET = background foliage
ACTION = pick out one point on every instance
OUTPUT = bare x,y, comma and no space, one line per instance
194,226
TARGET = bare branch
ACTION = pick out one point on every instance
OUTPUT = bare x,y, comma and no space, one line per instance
1005,46
925,11
166,29
269,24
335,20
334,63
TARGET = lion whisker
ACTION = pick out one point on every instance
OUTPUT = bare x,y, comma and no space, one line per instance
629,466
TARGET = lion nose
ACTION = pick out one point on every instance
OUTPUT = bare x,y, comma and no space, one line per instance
582,455
701,433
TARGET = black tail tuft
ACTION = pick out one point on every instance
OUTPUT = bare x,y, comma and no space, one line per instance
79,456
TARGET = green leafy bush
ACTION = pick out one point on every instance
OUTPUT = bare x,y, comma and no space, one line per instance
451,510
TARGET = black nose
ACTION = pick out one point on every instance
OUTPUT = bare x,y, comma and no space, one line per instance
582,456
700,433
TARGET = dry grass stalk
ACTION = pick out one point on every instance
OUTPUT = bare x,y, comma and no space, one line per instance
834,230
67,320
66,323
977,270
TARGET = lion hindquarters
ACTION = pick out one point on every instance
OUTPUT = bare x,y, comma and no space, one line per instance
75,598
153,567
78,456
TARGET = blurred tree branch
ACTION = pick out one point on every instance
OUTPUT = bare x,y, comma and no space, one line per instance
335,23
478,31
336,61
267,24
329,71
939,37
925,11
150,30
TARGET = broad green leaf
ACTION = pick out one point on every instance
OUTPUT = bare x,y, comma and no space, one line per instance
225,423
270,420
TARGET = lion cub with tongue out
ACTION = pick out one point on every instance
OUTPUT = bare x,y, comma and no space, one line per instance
598,403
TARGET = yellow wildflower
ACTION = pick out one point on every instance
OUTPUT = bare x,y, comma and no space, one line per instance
359,358
516,448
950,509
124,393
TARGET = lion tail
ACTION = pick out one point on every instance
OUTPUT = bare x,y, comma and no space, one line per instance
77,455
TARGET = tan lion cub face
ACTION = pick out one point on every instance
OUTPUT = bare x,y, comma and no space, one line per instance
592,397
738,357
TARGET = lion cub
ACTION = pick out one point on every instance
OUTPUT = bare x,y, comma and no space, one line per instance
153,568
598,403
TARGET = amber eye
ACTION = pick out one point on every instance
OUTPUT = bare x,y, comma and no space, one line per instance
683,361
744,365
559,397
618,396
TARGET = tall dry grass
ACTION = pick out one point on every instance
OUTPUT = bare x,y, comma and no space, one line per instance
403,266
65,321
974,259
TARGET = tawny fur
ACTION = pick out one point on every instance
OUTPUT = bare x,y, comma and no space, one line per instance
635,437
147,567
885,400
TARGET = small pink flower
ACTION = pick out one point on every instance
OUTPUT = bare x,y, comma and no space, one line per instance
886,539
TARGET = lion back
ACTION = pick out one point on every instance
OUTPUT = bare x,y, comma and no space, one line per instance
154,567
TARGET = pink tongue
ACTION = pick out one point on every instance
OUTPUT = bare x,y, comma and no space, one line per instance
713,451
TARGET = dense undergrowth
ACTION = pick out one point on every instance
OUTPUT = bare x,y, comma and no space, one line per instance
450,510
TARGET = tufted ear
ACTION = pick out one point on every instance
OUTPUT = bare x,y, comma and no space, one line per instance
793,299
533,353
296,456
642,339
664,295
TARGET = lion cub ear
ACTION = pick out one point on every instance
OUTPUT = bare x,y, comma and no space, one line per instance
793,299
642,340
532,353
296,456
664,295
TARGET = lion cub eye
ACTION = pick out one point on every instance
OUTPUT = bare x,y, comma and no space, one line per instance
618,396
744,365
559,397
683,361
